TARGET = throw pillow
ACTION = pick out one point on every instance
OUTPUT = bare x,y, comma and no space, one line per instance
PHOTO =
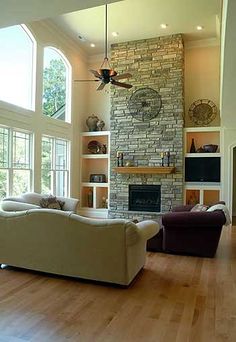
51,202
199,207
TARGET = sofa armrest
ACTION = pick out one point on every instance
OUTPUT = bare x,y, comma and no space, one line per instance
188,219
17,206
147,229
14,198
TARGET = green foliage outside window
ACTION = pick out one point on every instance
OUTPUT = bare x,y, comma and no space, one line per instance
54,87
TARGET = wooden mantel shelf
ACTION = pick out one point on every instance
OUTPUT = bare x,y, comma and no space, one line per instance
145,169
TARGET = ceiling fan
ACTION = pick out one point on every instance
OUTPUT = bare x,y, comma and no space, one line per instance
106,74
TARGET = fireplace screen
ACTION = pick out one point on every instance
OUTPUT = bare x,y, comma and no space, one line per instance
145,198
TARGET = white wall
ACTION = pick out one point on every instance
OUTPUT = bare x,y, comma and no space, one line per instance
234,182
229,142
46,34
228,96
98,101
228,62
202,75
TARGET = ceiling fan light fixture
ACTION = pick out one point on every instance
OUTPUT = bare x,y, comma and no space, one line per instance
106,74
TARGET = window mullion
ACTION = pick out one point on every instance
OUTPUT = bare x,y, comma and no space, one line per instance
30,151
10,170
54,165
10,181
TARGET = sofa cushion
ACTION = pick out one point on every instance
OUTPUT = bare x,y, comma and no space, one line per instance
199,207
32,197
51,202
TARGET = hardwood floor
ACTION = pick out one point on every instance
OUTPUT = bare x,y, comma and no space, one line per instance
175,298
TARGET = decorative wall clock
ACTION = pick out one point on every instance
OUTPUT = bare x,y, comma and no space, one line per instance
202,112
145,104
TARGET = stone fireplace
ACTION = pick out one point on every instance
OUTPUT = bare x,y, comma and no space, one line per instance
157,63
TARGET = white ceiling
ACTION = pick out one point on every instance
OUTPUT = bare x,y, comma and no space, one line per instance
140,19
21,11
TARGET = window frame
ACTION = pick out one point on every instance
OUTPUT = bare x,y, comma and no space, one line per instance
53,168
10,169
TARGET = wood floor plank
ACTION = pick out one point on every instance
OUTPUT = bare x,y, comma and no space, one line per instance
174,299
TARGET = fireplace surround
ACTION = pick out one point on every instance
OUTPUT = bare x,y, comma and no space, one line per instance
145,197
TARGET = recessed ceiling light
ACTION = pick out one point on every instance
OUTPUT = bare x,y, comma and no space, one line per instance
199,28
115,34
92,45
163,26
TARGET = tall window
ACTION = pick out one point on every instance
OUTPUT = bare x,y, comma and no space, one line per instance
15,162
56,79
17,56
55,166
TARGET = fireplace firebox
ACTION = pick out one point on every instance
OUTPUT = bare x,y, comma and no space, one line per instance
145,198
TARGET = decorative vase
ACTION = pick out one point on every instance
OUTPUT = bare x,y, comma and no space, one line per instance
192,147
90,198
104,149
100,125
91,122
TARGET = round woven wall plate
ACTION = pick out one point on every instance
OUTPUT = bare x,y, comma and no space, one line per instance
202,112
145,104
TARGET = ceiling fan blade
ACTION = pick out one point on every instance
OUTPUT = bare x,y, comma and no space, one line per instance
86,80
119,77
95,73
123,85
101,86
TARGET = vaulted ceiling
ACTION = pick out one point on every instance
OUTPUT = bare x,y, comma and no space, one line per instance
21,11
132,19
139,19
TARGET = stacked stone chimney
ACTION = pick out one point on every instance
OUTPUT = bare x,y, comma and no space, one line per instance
156,63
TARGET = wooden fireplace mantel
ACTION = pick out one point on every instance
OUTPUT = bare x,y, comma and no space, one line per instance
145,169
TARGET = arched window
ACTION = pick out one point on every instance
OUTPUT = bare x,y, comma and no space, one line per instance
56,85
17,66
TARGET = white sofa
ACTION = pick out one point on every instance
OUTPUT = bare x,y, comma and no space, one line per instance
111,250
31,200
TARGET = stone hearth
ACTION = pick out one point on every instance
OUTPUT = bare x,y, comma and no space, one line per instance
156,63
